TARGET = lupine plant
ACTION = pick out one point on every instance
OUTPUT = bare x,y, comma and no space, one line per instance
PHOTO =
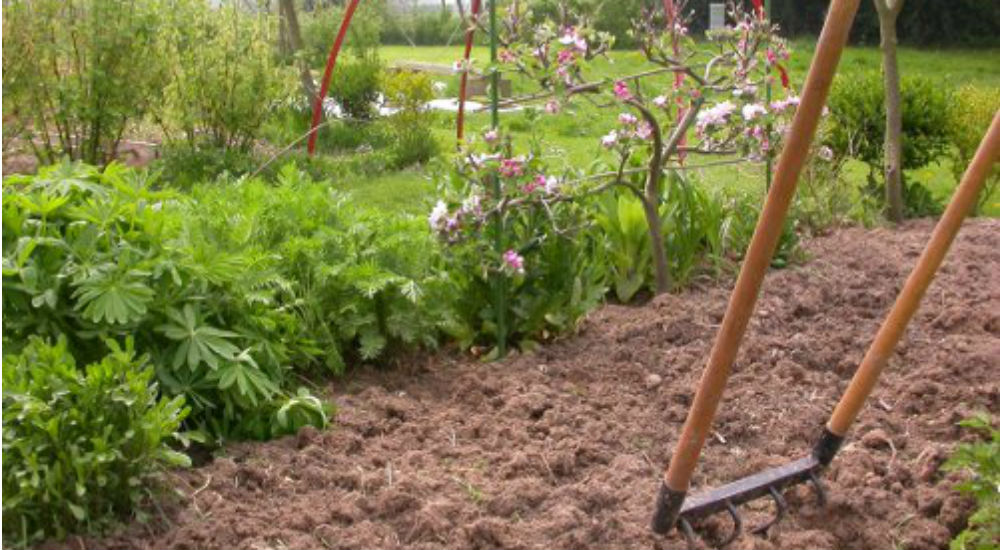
712,108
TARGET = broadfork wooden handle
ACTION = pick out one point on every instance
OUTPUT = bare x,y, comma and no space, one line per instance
765,238
916,285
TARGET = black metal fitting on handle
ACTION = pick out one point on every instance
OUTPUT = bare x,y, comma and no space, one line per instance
668,507
827,446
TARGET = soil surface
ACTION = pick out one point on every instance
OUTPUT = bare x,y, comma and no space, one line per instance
564,448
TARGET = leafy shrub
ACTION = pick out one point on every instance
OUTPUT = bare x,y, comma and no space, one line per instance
320,26
93,256
355,85
352,284
982,460
857,128
77,73
183,167
969,115
225,78
81,446
422,28
413,139
826,199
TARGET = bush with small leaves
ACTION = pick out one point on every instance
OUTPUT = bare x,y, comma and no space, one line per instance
82,446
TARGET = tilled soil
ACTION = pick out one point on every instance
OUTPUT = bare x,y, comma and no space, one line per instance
564,448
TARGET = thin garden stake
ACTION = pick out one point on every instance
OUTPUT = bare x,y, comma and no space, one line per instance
464,82
677,478
331,61
500,281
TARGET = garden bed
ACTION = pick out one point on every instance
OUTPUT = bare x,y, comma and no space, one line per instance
564,448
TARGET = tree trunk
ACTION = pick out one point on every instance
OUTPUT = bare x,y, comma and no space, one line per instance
291,19
651,202
888,12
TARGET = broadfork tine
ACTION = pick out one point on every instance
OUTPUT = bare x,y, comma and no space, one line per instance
737,525
780,505
688,534
818,485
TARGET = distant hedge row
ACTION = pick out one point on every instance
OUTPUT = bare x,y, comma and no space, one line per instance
922,22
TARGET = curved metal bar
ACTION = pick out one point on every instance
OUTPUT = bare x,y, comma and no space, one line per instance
737,525
689,536
780,505
331,61
460,118
818,485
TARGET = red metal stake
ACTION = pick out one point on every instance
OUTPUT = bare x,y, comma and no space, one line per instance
460,121
330,62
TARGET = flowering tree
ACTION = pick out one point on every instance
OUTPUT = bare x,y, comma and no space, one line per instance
711,110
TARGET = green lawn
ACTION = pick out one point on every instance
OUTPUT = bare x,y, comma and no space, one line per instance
574,134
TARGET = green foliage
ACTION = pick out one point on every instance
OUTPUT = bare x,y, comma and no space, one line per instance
355,85
981,460
320,26
969,115
182,166
857,129
413,139
346,283
77,73
225,78
422,27
92,257
81,446
626,243
825,199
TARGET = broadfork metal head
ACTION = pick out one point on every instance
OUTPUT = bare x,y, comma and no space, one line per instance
770,483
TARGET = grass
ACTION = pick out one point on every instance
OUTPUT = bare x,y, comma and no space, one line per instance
573,135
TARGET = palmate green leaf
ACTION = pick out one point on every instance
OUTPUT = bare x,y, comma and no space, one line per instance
250,382
118,296
198,343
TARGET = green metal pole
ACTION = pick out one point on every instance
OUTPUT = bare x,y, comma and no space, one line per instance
501,282
767,97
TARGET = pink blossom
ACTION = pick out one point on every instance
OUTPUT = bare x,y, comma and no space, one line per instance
622,92
715,116
580,44
460,65
568,37
752,111
553,107
542,52
644,130
680,29
609,140
513,261
551,185
437,217
660,101
473,205
782,104
772,58
537,183
506,56
491,136
627,119
565,57
511,168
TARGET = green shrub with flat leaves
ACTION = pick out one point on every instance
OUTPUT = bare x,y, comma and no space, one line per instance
97,256
82,445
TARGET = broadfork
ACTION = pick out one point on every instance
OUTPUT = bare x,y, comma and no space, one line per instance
672,508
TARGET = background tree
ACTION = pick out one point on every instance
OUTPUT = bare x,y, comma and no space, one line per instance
888,12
